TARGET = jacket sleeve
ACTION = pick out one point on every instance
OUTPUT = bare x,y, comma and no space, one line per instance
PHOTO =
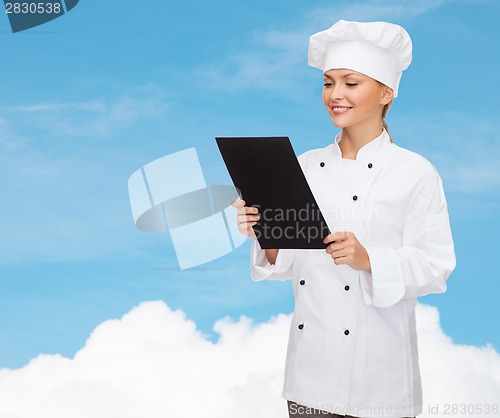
426,258
261,269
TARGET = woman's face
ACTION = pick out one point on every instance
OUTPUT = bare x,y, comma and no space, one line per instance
352,98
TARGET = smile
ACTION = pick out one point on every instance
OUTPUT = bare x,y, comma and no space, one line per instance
339,110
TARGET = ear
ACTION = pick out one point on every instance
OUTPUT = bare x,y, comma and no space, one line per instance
387,95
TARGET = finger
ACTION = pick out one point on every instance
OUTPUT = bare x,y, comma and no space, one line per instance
327,239
251,209
338,260
333,247
342,235
253,217
247,229
336,247
338,235
247,218
345,255
246,225
333,236
246,211
248,221
238,203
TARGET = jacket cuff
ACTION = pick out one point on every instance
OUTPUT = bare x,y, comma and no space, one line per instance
384,286
261,269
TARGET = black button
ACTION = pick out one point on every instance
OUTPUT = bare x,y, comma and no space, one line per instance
302,282
355,197
301,326
346,332
322,164
370,165
346,288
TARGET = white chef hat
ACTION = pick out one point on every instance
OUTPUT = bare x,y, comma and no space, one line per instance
379,50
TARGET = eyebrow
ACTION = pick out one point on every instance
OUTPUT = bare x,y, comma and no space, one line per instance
344,76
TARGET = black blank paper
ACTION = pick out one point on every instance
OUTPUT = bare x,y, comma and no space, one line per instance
268,175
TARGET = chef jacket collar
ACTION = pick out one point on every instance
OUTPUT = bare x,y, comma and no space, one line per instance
369,149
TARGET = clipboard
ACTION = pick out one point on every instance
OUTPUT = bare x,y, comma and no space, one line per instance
267,174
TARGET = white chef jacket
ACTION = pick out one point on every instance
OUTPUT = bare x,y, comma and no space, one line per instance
353,344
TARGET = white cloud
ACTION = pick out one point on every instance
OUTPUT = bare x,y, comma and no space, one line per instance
454,374
97,117
153,362
270,66
69,161
276,59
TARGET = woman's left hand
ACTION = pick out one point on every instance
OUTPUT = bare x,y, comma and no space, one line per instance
347,250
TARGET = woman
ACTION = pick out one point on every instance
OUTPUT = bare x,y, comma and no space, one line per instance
353,346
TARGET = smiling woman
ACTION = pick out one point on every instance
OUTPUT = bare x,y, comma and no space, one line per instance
353,98
352,349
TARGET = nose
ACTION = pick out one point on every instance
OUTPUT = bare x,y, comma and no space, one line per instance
336,93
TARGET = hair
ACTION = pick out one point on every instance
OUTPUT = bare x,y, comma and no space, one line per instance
384,124
384,113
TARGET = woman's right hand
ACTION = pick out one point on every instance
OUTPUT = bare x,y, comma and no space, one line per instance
247,217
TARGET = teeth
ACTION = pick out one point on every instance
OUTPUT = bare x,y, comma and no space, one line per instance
340,109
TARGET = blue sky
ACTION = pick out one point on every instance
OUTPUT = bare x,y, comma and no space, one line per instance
92,96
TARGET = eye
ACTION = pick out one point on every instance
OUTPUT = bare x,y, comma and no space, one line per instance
351,84
327,84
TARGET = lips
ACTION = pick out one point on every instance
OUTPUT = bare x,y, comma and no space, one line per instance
339,110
